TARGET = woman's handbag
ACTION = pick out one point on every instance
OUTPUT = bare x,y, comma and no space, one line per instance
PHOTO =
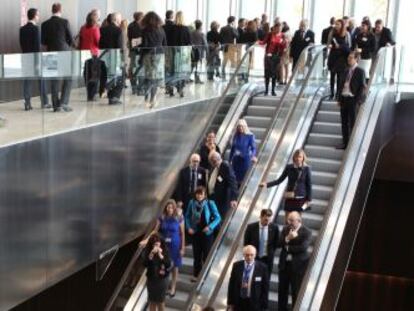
291,194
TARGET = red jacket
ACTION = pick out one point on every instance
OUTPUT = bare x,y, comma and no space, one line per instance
89,39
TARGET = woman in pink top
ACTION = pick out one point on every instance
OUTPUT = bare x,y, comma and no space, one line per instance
90,34
275,45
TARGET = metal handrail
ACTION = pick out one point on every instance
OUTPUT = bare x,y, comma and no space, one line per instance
256,196
316,275
138,252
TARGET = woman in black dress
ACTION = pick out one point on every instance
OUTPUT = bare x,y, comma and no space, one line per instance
157,262
298,194
206,147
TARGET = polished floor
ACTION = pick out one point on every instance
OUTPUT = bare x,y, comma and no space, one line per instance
18,125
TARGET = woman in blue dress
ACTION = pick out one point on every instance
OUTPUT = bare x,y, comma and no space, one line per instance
243,150
170,225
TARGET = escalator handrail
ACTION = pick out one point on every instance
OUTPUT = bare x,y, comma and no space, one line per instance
234,109
353,154
226,224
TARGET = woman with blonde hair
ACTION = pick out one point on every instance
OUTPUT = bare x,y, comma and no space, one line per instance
243,150
170,225
298,194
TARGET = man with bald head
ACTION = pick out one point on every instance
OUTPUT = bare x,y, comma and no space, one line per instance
249,284
222,184
294,241
190,178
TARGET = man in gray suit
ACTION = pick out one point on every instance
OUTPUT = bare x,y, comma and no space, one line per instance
57,37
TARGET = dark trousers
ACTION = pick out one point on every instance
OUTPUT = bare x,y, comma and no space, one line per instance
201,247
348,116
92,89
27,92
115,92
65,92
289,278
268,261
246,304
335,76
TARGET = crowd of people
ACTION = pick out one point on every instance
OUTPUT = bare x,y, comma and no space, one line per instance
208,187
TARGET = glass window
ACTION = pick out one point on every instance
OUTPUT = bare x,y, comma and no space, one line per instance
404,19
373,8
330,8
252,9
189,8
218,10
159,7
290,11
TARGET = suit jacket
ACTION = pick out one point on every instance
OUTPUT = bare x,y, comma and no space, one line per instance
169,28
386,37
228,34
56,34
357,85
259,290
299,42
181,36
111,37
225,189
30,38
325,34
183,193
252,237
298,248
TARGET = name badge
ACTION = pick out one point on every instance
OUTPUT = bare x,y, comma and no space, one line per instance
364,39
307,39
237,153
168,240
200,176
258,278
220,179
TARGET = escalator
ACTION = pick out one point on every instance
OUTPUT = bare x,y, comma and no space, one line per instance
315,126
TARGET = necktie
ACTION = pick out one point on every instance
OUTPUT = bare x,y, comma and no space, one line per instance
262,242
245,282
193,185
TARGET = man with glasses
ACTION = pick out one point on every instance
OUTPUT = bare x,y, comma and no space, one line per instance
191,177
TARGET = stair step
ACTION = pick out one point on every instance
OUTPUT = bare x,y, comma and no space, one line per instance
324,178
270,101
321,192
258,121
178,301
328,116
318,151
329,106
327,140
325,165
261,111
259,132
327,128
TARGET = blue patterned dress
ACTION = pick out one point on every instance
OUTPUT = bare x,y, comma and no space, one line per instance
171,232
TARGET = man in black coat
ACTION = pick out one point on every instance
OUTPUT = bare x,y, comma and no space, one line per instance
228,37
294,241
190,178
327,31
111,39
352,93
57,37
222,184
134,42
249,284
264,236
30,43
383,36
301,39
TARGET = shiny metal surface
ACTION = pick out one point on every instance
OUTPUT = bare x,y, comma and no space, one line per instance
346,190
67,198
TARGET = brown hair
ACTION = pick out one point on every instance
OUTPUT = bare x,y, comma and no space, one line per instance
251,26
151,21
266,212
200,190
342,32
56,8
174,204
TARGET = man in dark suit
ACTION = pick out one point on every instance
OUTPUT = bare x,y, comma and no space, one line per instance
222,184
249,284
134,42
111,39
327,31
301,39
57,37
228,37
264,236
383,36
30,43
294,241
352,92
190,178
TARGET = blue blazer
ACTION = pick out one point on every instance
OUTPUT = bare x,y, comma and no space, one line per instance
244,146
210,213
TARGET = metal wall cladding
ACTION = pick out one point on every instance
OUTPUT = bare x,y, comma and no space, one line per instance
65,199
